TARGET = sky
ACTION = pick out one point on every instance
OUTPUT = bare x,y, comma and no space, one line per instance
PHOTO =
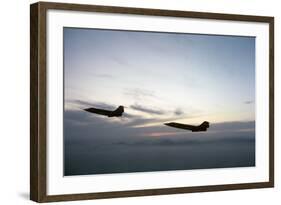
159,78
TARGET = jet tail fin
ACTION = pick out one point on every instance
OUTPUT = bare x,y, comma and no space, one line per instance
119,109
205,125
118,112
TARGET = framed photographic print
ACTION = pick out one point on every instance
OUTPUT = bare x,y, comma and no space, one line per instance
134,102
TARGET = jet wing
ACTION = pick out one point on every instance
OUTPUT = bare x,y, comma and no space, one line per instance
181,126
99,111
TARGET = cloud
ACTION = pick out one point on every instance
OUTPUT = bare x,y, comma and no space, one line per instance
237,125
139,94
98,144
80,121
127,118
103,76
147,110
85,104
178,111
138,121
248,102
120,61
190,141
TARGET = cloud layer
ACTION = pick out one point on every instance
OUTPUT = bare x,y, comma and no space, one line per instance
96,145
147,110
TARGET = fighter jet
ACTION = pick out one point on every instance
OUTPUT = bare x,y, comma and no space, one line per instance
115,113
199,128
